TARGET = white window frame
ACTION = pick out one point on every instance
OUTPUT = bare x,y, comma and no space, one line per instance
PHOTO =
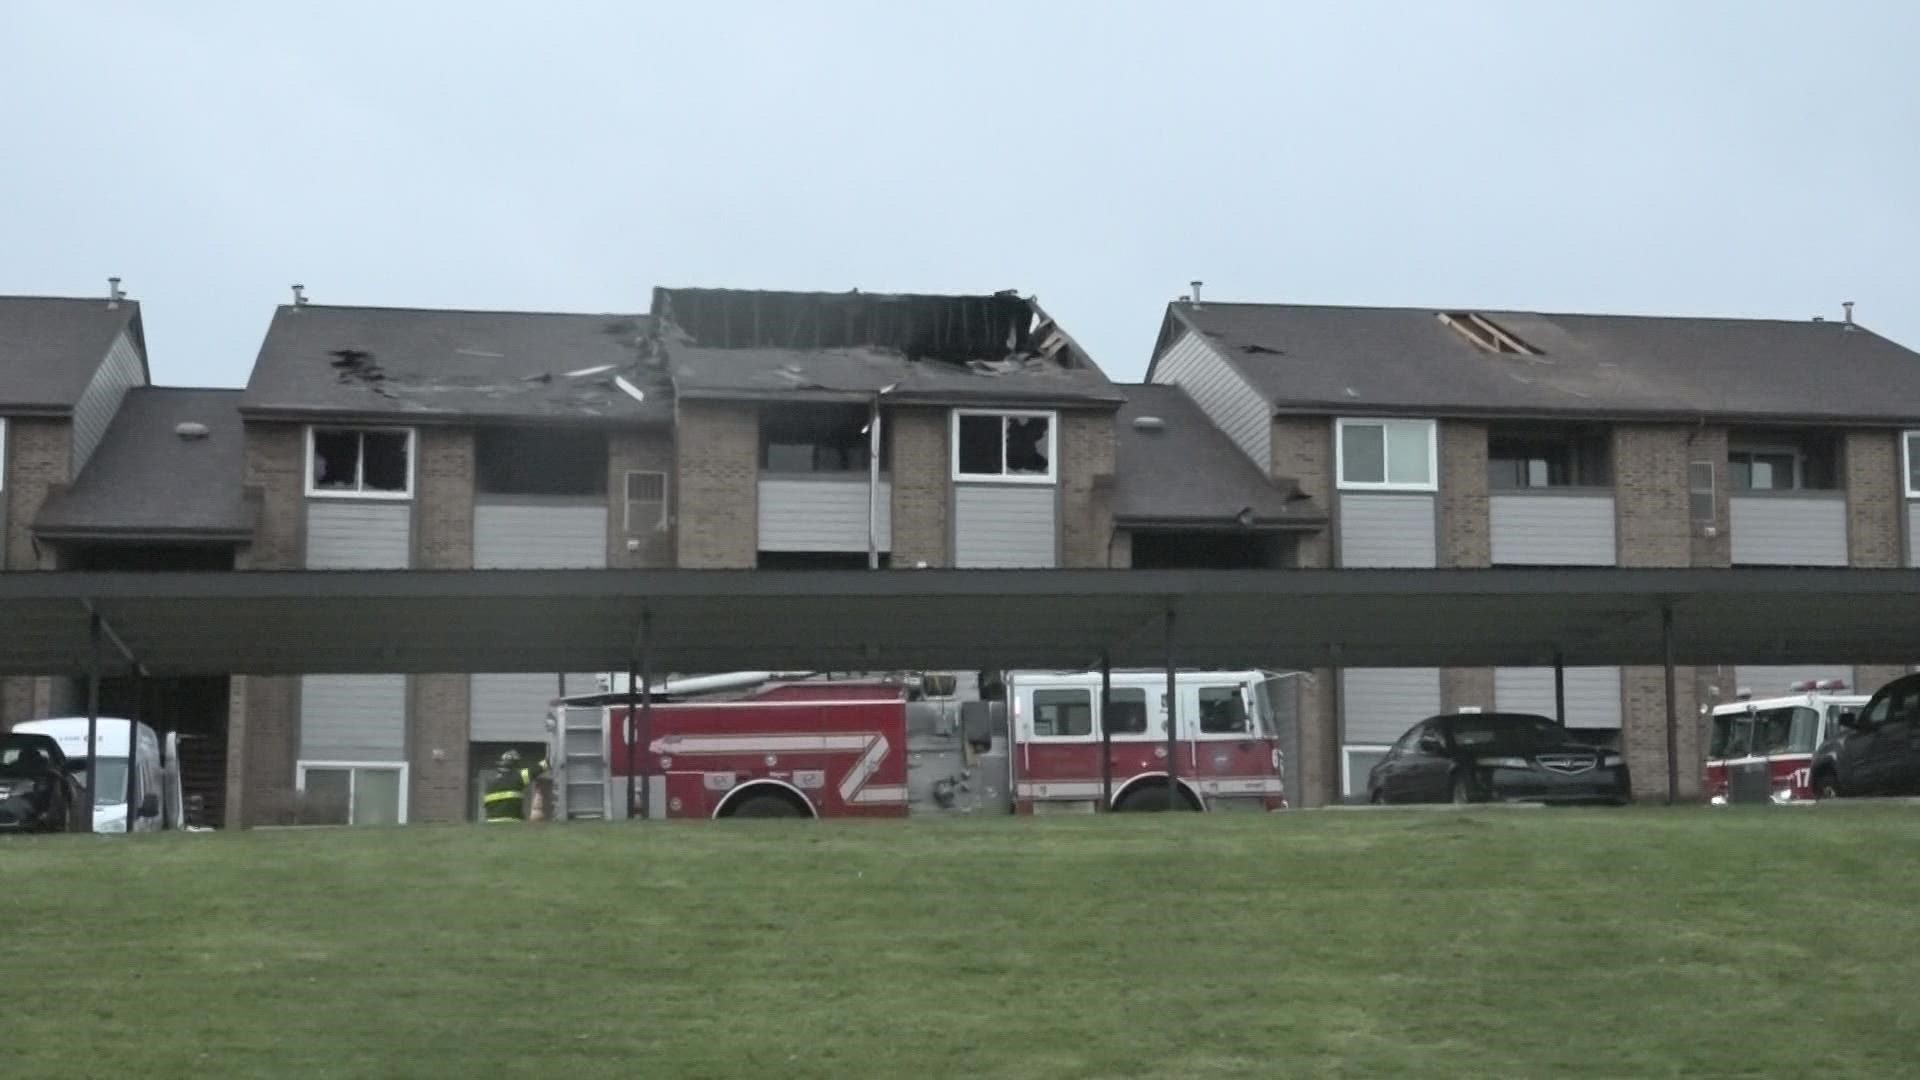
1906,463
1347,750
1796,482
316,492
1003,477
626,500
401,767
1384,423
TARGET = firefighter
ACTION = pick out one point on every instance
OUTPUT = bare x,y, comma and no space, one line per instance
508,787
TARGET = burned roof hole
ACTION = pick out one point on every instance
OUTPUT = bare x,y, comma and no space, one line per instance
356,364
1485,334
1260,350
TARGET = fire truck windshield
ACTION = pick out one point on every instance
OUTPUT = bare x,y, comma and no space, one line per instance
1792,729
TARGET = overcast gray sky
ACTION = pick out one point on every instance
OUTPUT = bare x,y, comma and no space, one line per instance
1675,158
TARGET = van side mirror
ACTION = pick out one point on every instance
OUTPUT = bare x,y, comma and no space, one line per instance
150,805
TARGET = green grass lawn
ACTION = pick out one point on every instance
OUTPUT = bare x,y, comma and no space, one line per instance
1638,943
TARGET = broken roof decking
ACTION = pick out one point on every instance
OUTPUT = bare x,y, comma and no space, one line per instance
418,365
1187,473
1405,360
1000,349
587,620
50,347
147,482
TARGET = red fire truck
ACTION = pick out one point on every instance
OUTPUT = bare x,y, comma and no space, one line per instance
759,744
1762,750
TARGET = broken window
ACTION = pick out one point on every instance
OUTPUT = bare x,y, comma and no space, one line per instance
1533,459
540,461
646,501
374,462
1003,446
818,439
1783,461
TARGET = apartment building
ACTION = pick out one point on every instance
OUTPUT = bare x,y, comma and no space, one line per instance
1497,438
722,429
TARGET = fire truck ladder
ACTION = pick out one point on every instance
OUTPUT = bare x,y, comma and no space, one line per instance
580,763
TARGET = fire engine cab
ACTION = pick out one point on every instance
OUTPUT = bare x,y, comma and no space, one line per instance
763,744
1761,751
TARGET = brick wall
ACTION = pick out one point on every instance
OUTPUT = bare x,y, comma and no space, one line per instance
639,450
1466,540
1644,735
38,458
263,711
1875,498
439,706
1121,555
921,468
718,462
1314,780
1086,452
1303,452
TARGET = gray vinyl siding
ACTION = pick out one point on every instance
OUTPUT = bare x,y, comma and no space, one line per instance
535,533
1552,530
353,718
94,412
1380,704
1004,525
347,534
1789,530
1593,694
1772,680
513,708
1387,530
1222,393
824,513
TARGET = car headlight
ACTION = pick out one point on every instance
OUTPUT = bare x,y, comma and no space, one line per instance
1612,761
1504,763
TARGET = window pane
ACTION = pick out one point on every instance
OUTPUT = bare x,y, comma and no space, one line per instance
1913,462
1537,475
1740,473
980,445
1062,712
386,467
1359,764
1128,716
1222,712
325,801
1407,454
1363,453
376,797
1027,446
336,460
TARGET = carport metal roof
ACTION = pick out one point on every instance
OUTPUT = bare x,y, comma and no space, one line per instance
318,622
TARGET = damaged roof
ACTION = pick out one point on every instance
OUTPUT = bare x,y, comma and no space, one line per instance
1407,360
986,349
146,480
1174,467
50,347
417,364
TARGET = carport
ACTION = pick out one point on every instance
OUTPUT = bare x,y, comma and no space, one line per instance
344,622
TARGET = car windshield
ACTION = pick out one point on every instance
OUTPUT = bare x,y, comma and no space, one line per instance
113,780
1496,731
23,759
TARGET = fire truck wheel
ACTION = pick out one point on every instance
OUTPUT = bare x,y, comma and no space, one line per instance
764,805
1151,798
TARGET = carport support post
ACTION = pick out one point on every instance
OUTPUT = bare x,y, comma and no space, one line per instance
1560,689
1673,712
1173,724
644,731
632,728
93,728
1106,731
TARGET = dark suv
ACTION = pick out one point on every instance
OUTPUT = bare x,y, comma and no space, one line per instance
1877,751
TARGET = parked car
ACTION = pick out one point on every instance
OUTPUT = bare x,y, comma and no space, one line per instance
38,792
1877,750
1496,757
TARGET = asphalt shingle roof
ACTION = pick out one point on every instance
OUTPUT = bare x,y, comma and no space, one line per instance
51,346
416,364
146,481
1187,472
1405,359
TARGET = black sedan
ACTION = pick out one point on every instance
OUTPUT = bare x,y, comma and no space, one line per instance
1496,757
37,792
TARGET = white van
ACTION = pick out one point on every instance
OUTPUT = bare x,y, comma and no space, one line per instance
153,782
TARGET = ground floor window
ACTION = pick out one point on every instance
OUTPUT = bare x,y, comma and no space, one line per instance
1356,761
353,793
816,560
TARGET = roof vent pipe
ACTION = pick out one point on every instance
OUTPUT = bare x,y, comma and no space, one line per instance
190,429
1149,423
299,296
114,295
1847,306
1196,292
